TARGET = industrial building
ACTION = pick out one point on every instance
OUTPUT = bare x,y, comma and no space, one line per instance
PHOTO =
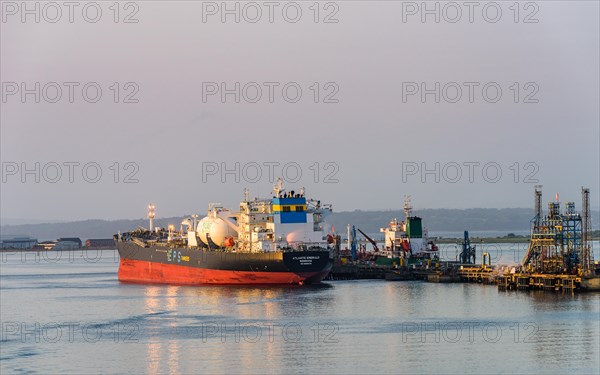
60,244
77,240
17,242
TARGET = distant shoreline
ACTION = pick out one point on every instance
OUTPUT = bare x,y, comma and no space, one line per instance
476,240
473,240
482,222
65,250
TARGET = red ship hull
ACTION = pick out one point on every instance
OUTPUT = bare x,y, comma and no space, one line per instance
141,271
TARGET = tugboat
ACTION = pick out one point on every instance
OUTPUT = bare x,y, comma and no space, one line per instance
280,240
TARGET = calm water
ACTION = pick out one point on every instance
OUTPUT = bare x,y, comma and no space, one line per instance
71,315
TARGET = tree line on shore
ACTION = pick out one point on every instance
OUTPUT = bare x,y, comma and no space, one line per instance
509,220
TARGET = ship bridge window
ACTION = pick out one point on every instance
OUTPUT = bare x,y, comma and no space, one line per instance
299,208
287,209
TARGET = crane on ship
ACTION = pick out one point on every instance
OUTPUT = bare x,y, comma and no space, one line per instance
372,241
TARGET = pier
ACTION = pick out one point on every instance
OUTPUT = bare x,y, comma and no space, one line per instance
547,282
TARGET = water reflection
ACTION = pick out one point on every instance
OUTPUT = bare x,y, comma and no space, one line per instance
173,361
153,350
369,316
151,298
221,325
564,334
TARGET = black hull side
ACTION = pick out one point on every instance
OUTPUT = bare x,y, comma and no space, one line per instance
295,261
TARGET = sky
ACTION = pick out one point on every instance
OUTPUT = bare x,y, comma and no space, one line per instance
359,102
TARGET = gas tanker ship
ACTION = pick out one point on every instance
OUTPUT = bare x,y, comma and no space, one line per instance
281,240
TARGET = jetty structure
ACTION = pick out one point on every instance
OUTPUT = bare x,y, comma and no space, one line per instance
560,254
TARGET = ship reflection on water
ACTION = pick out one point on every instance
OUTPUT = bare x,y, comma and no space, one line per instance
227,329
213,323
156,354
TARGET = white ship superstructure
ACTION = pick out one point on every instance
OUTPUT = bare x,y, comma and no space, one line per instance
288,220
408,237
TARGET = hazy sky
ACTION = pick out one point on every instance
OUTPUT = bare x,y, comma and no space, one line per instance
375,140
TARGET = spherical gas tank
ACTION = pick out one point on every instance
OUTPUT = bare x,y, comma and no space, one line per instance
203,229
220,230
216,229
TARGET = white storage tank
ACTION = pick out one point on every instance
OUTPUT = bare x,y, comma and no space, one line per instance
216,229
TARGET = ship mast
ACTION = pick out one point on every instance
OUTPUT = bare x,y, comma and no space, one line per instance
407,206
278,188
348,236
151,216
